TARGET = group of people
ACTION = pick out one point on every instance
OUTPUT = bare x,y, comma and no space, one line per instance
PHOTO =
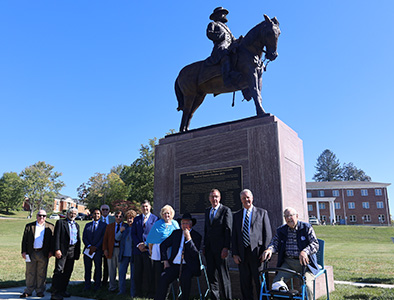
161,250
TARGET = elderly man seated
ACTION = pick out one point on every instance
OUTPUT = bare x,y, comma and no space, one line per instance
296,245
184,261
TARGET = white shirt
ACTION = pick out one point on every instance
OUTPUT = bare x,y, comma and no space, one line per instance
39,236
178,257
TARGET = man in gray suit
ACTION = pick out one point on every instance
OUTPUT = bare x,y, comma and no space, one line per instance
251,236
217,238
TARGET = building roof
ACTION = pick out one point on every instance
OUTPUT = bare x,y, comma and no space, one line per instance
330,185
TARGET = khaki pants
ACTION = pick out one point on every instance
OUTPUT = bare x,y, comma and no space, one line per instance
113,265
294,264
36,272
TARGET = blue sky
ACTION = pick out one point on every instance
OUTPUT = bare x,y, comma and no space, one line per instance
84,83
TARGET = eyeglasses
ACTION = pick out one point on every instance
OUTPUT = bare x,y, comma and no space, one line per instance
289,216
41,216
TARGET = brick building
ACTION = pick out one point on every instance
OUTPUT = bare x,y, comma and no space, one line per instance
63,202
349,202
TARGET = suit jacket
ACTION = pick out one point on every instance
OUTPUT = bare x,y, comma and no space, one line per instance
94,238
139,232
28,238
218,234
109,238
62,238
191,249
260,232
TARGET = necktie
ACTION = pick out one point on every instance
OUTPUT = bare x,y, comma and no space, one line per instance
212,215
145,219
245,231
117,227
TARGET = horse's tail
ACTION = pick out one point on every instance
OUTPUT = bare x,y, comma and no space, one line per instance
179,96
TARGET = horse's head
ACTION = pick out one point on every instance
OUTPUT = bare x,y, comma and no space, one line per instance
271,34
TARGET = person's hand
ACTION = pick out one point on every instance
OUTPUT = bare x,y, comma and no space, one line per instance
92,249
106,253
122,228
224,253
304,259
142,247
166,264
58,254
237,259
50,254
187,235
267,254
24,255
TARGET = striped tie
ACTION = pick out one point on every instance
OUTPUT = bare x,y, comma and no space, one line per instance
245,230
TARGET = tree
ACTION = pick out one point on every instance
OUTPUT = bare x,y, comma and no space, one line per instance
102,189
41,184
11,191
139,176
350,172
327,167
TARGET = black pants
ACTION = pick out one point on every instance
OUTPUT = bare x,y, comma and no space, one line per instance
63,270
218,275
249,273
88,262
143,275
168,276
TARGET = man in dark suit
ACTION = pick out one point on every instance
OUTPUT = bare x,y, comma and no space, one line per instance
37,244
107,219
93,235
184,262
217,238
143,268
67,250
251,236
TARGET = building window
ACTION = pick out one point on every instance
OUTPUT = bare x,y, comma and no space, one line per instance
366,205
309,194
310,207
378,192
337,205
381,218
320,193
367,218
351,205
353,218
335,193
379,204
350,193
322,206
338,218
364,192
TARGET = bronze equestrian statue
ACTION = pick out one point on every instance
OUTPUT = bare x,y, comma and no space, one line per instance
198,79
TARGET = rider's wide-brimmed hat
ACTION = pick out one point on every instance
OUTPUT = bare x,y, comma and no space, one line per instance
187,216
218,10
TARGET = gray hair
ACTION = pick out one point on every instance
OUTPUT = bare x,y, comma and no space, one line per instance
244,191
290,209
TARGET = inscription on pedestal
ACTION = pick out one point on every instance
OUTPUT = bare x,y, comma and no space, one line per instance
195,188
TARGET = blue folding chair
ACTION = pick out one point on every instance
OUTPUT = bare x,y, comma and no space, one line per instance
320,262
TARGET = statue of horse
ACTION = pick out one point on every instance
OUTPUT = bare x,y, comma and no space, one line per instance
191,86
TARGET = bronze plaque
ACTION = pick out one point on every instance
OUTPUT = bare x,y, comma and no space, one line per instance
196,186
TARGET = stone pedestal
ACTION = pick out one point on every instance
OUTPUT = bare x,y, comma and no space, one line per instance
269,153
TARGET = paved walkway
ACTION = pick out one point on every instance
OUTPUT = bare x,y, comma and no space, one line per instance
361,284
15,292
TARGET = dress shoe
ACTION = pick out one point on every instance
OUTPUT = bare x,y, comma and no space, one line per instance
40,295
66,294
57,296
24,295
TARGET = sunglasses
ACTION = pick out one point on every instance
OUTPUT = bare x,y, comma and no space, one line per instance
41,216
104,209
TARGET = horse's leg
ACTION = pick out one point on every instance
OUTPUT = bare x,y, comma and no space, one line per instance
186,116
255,84
197,102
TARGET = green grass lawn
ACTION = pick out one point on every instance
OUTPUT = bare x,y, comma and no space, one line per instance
357,253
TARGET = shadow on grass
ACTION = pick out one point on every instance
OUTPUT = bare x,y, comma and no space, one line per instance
10,213
101,294
12,283
373,280
358,296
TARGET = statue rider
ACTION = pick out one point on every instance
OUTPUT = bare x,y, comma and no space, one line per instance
222,38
